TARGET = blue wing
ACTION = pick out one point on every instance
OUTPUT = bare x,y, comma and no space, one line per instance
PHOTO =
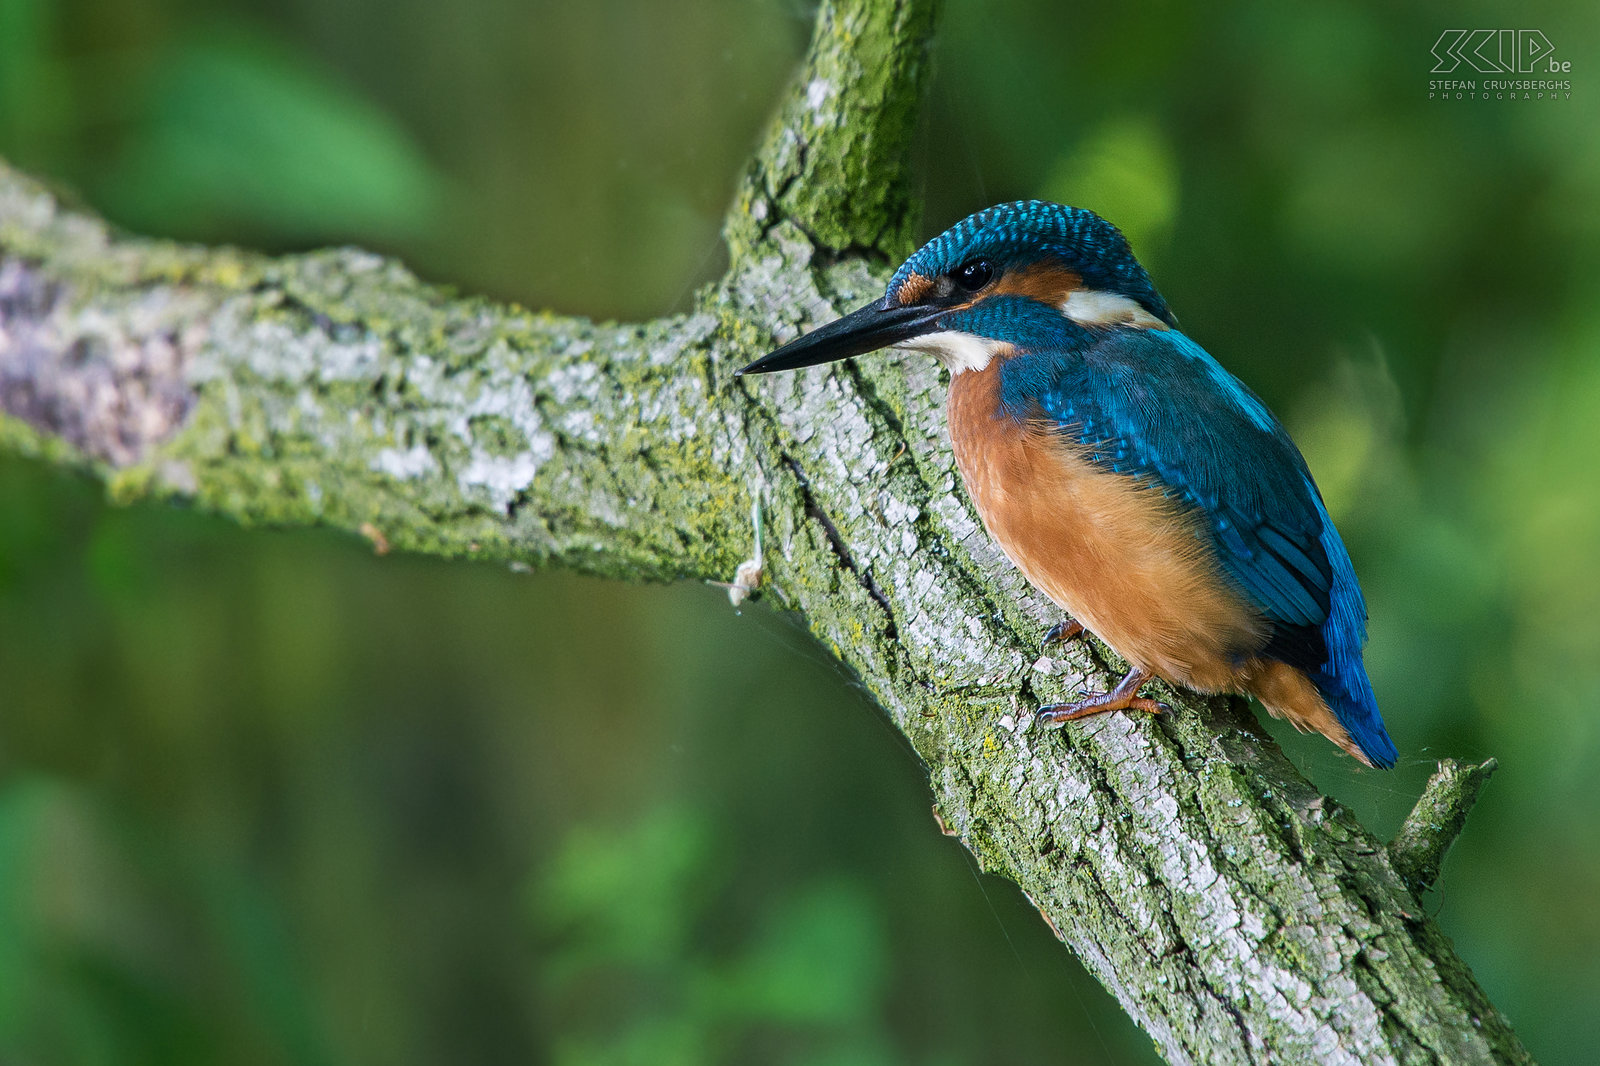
1155,406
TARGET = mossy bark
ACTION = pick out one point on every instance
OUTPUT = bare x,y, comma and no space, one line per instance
1236,913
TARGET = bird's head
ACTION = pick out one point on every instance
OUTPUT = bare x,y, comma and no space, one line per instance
1012,276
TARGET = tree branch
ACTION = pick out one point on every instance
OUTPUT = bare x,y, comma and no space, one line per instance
1418,850
836,162
1237,914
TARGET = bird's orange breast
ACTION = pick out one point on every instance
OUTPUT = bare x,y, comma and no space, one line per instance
1120,557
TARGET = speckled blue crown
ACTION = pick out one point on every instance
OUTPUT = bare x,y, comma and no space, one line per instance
1027,231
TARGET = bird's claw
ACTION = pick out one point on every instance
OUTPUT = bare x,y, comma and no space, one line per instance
1122,698
1061,632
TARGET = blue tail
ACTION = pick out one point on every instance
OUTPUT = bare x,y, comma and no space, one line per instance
1350,696
1342,681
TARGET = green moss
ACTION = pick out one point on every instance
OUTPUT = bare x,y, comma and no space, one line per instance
497,435
21,438
837,161
129,484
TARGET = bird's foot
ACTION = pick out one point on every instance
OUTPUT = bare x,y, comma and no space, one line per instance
1063,631
1125,697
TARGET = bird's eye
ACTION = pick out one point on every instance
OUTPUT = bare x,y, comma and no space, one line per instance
974,274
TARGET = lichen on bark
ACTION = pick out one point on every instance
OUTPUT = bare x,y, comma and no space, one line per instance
1235,912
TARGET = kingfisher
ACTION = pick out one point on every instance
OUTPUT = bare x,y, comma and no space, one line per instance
1131,478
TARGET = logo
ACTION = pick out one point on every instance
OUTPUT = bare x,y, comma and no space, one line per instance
1497,52
1465,53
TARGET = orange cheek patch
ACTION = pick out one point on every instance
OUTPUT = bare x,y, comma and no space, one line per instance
913,289
1042,281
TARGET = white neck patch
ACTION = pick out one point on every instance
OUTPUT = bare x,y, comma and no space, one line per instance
1093,307
958,351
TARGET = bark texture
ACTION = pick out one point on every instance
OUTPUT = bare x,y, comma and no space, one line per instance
1237,914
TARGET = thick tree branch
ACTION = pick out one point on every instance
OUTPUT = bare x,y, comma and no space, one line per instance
835,163
1237,914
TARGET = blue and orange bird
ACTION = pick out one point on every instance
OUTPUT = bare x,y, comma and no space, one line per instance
1132,479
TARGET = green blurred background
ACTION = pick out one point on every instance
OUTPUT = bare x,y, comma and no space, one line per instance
265,798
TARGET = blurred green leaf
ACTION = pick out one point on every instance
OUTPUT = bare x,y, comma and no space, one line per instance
25,65
239,132
1125,170
820,960
658,1040
631,894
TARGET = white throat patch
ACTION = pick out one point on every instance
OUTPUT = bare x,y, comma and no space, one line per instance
1093,307
956,350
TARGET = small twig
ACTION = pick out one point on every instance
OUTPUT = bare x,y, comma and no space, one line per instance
1418,849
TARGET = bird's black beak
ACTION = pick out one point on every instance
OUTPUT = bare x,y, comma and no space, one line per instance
877,325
